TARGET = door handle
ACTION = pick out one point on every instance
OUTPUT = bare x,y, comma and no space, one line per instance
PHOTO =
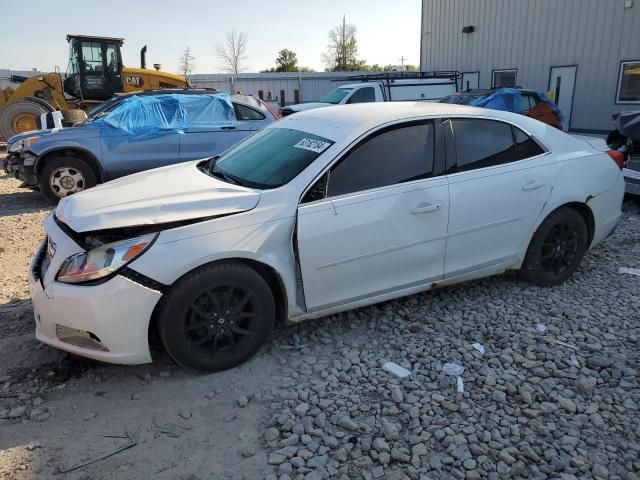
425,208
229,127
533,185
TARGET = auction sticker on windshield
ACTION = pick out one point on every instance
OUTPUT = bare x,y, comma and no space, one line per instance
312,145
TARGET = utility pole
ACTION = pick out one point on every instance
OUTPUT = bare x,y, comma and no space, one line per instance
402,59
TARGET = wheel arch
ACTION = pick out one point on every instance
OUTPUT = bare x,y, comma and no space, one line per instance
266,271
77,152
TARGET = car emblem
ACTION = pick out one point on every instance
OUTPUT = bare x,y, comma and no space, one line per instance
51,248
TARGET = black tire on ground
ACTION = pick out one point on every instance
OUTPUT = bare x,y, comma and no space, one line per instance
73,117
216,317
64,176
19,117
556,249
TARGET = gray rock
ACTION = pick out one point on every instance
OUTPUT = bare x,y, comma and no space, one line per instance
396,393
248,451
461,453
600,471
568,404
381,445
243,401
400,455
276,459
17,412
302,409
599,361
499,396
347,423
317,462
271,434
390,431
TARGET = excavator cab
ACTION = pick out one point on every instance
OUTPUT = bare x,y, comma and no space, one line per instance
95,67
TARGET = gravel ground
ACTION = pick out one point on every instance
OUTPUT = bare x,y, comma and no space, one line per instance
315,402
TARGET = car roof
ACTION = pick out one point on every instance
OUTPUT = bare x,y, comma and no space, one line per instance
341,121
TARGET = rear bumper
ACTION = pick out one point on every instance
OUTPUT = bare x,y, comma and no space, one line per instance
607,210
632,181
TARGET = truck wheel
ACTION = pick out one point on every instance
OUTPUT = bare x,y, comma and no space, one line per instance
20,117
64,176
73,117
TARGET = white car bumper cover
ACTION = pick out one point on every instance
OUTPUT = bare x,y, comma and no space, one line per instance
116,312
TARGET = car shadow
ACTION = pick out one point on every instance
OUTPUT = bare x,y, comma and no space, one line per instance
23,201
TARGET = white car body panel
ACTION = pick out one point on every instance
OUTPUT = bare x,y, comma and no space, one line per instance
352,250
143,198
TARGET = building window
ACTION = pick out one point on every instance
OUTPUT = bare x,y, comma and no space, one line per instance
629,82
504,78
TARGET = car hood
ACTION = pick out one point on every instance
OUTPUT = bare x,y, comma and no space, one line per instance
29,134
164,195
305,106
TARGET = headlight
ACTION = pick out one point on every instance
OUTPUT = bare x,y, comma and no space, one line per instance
21,145
103,260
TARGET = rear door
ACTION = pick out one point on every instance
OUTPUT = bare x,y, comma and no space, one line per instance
499,179
376,222
206,140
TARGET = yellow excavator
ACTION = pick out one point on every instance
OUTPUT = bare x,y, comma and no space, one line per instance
95,74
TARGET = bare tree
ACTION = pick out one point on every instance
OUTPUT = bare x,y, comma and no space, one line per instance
231,52
342,50
186,62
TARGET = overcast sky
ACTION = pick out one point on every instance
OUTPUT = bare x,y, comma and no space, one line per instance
33,34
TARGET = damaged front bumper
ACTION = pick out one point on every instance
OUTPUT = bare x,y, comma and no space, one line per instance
21,166
108,321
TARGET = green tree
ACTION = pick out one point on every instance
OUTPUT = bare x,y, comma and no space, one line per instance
287,61
342,50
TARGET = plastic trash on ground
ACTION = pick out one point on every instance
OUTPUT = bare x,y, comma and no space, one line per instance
541,328
455,370
479,347
630,271
397,370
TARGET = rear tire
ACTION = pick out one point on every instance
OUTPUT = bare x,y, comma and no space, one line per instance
216,317
556,249
64,176
73,117
20,117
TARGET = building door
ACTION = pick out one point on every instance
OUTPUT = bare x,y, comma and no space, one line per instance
470,81
562,82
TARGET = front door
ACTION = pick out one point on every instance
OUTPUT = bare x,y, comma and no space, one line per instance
562,82
380,222
498,185
469,81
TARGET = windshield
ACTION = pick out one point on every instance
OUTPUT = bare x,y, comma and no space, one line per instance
334,96
269,159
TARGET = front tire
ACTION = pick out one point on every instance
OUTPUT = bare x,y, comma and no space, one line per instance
557,248
64,176
216,317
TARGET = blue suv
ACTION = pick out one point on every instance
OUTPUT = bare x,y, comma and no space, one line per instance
121,137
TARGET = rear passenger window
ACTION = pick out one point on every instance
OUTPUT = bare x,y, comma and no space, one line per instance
482,143
246,113
525,145
390,157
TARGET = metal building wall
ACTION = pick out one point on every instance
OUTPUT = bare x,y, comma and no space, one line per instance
533,36
313,85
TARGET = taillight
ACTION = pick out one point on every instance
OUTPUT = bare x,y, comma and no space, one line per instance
266,105
617,157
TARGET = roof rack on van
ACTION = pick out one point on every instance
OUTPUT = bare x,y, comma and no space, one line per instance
453,75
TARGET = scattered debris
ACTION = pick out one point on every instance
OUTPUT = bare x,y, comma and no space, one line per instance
132,443
630,271
455,370
298,346
549,339
243,401
170,429
541,328
186,415
397,370
479,347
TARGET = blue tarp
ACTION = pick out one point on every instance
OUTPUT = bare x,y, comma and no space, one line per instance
148,116
509,100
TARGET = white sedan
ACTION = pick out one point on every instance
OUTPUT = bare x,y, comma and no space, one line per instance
324,211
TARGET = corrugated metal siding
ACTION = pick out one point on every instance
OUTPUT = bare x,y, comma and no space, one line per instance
533,36
313,85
